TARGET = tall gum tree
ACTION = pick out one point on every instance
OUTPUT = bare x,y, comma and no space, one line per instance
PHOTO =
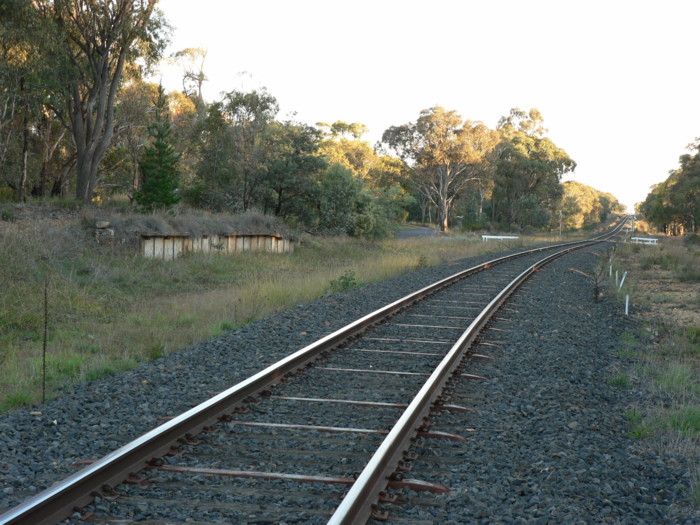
98,39
443,154
528,171
674,204
250,115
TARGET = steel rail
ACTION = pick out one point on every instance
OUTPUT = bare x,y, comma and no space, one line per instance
60,500
357,505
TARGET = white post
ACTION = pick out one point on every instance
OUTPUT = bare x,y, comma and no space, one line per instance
611,271
623,280
627,305
617,277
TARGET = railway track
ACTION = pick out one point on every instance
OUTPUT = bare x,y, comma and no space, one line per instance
317,437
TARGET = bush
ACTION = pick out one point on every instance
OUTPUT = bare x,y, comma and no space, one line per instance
7,194
344,283
692,239
7,213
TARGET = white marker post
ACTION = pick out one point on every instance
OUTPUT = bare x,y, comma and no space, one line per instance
627,305
622,281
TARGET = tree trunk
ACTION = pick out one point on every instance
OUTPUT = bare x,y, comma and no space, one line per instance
46,157
104,39
444,214
136,187
22,186
445,226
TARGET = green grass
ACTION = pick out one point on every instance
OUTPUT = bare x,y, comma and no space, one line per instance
677,378
629,345
620,380
641,430
685,419
15,400
633,415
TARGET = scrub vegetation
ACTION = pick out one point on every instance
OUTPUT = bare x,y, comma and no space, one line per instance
110,309
665,349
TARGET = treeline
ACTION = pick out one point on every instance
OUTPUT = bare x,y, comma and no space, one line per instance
584,207
673,206
78,118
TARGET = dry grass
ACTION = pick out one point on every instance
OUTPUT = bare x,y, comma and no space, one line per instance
664,285
109,309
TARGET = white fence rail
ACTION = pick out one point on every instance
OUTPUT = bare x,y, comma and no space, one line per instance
643,240
498,237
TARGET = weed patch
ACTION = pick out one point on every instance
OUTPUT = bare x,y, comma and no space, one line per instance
15,400
641,430
345,282
677,379
620,381
685,420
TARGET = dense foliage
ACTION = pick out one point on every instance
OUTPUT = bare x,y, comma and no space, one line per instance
585,207
77,117
673,206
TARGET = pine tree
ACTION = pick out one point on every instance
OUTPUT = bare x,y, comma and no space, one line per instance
159,164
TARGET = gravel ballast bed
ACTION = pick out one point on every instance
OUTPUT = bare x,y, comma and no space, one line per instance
529,415
550,441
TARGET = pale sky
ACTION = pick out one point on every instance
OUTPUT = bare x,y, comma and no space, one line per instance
616,81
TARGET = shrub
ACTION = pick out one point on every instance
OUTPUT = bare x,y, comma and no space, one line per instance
344,283
7,213
689,272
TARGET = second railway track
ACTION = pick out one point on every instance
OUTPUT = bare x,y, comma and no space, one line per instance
293,450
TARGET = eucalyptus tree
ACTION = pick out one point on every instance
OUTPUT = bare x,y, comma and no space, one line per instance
674,204
24,42
294,167
96,40
191,62
215,184
132,112
250,115
342,144
528,170
584,206
444,153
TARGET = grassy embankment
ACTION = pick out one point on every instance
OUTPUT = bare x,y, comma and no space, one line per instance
664,285
109,309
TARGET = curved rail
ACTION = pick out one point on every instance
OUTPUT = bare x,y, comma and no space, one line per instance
58,502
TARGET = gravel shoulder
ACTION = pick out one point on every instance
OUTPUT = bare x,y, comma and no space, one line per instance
551,443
